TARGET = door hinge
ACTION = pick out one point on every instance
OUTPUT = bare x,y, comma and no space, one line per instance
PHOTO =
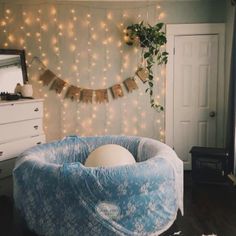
174,51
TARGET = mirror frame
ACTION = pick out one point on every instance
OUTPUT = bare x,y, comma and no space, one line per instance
21,53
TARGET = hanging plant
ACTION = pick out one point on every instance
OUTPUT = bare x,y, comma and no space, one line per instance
151,39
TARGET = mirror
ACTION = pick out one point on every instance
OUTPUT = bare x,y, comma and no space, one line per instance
12,69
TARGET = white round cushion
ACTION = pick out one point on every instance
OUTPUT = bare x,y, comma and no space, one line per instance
109,155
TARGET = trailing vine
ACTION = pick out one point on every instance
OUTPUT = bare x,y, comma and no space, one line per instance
151,39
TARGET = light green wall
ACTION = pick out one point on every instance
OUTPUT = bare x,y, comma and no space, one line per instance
213,11
228,50
229,36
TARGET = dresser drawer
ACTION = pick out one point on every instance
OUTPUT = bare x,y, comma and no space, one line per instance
12,112
13,149
6,167
22,129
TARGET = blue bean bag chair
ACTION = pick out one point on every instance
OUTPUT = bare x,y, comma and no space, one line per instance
57,195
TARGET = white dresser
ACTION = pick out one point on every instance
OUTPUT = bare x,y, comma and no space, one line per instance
21,127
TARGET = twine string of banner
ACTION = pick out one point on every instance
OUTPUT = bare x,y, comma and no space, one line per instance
88,95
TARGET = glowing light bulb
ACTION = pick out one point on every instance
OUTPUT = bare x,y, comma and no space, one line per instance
161,16
22,41
110,39
94,36
75,67
109,16
53,11
103,25
11,38
28,21
3,23
44,27
136,50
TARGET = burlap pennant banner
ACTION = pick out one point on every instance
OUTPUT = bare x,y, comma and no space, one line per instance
130,85
86,95
47,76
117,91
73,93
57,85
101,96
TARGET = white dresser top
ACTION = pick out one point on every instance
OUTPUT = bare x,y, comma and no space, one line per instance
20,101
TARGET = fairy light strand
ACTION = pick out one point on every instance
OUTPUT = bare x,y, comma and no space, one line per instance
137,122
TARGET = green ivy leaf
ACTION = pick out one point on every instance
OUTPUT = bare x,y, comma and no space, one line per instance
146,55
150,84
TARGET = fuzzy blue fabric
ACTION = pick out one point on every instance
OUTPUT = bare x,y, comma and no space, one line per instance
57,195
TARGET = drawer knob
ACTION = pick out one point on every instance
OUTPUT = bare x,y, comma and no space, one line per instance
38,143
36,109
36,127
1,153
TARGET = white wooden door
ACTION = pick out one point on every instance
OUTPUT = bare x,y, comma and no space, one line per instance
195,92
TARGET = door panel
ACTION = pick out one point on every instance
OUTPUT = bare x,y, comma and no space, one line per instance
195,92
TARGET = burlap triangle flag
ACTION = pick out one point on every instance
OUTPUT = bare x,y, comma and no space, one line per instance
57,85
142,73
101,96
73,93
87,96
47,76
117,91
130,84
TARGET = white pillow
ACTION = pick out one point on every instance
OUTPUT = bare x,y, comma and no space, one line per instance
109,155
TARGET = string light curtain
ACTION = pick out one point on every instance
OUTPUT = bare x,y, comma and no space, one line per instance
83,44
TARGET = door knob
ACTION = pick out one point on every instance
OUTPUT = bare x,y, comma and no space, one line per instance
212,114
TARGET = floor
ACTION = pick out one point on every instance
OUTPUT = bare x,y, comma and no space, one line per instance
208,209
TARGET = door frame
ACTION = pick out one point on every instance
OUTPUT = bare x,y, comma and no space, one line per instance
173,30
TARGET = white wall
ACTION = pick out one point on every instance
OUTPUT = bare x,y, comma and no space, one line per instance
100,56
